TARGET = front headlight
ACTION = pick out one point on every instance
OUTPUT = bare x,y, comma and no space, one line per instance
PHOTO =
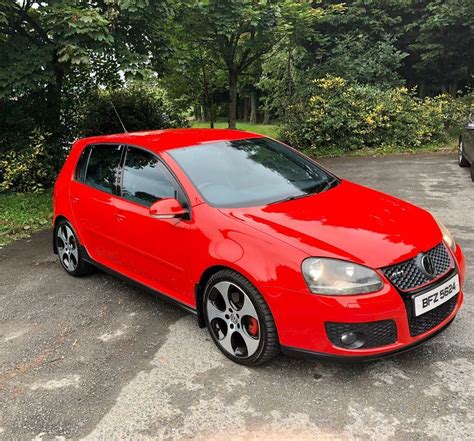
447,236
338,277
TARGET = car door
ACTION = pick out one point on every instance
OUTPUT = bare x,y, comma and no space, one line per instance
92,192
154,251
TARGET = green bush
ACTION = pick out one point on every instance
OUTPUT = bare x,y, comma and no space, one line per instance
30,168
336,115
140,108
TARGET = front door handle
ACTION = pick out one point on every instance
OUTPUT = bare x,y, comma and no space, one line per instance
75,200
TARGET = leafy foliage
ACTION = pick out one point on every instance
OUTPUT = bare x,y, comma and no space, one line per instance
139,108
31,169
336,115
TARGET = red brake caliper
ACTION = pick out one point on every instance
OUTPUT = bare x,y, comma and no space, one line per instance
253,326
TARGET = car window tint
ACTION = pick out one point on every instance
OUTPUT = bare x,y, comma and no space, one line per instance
102,167
145,179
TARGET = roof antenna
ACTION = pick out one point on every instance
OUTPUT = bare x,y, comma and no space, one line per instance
118,116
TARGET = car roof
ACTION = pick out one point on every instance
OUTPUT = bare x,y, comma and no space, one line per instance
161,140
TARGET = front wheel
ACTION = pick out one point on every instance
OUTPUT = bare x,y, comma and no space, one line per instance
462,161
69,252
239,320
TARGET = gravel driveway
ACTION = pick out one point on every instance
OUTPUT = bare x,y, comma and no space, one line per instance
97,358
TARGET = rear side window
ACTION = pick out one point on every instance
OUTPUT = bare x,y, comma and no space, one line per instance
102,167
145,179
82,164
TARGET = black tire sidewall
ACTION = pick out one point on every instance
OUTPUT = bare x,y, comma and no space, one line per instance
261,318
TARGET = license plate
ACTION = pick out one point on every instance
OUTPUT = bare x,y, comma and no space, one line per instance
437,296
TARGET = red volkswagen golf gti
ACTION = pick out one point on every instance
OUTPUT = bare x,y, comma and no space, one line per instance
268,249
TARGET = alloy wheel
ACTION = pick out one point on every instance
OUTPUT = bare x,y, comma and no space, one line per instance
67,248
233,320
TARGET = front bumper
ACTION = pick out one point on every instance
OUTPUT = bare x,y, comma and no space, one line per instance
309,355
302,328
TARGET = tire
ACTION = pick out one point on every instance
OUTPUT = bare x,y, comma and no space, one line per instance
462,161
69,251
230,304
472,172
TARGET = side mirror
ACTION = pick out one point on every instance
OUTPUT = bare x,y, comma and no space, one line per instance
167,208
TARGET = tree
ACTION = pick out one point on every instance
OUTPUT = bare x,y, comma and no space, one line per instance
240,32
41,42
444,44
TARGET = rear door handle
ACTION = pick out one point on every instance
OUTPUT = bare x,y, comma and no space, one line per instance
75,199
120,217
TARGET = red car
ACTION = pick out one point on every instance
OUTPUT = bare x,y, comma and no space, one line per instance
268,249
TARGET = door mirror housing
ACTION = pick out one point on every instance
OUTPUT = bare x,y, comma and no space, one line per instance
168,208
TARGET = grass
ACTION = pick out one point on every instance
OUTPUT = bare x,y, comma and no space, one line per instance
270,130
22,214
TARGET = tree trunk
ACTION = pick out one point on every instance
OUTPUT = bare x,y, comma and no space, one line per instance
197,112
453,88
266,116
245,113
233,77
253,107
53,101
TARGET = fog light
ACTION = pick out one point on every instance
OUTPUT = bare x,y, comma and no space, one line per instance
348,338
353,340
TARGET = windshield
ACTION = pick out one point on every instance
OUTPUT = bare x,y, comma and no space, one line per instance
250,172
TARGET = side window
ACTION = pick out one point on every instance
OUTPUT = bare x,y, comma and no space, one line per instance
102,167
80,174
145,179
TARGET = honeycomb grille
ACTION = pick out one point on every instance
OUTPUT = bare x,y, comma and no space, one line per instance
432,318
408,275
376,334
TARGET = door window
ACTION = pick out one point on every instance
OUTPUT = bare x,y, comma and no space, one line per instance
102,167
146,179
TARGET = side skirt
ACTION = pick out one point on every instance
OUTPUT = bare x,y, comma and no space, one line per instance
152,291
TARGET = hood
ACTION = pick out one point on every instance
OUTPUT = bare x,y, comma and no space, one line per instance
349,222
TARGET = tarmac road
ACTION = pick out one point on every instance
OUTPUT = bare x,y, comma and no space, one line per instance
97,358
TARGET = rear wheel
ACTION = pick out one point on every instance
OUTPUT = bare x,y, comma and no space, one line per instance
462,161
239,320
472,172
69,251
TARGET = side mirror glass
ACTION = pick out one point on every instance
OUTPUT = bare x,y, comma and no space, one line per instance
167,208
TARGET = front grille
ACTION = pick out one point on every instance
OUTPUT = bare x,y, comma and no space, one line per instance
408,275
432,318
374,334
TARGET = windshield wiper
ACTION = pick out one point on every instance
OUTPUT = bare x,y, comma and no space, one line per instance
290,198
330,184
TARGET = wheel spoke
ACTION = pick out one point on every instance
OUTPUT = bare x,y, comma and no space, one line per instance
226,341
70,264
223,288
251,343
75,254
70,236
248,308
62,234
214,312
